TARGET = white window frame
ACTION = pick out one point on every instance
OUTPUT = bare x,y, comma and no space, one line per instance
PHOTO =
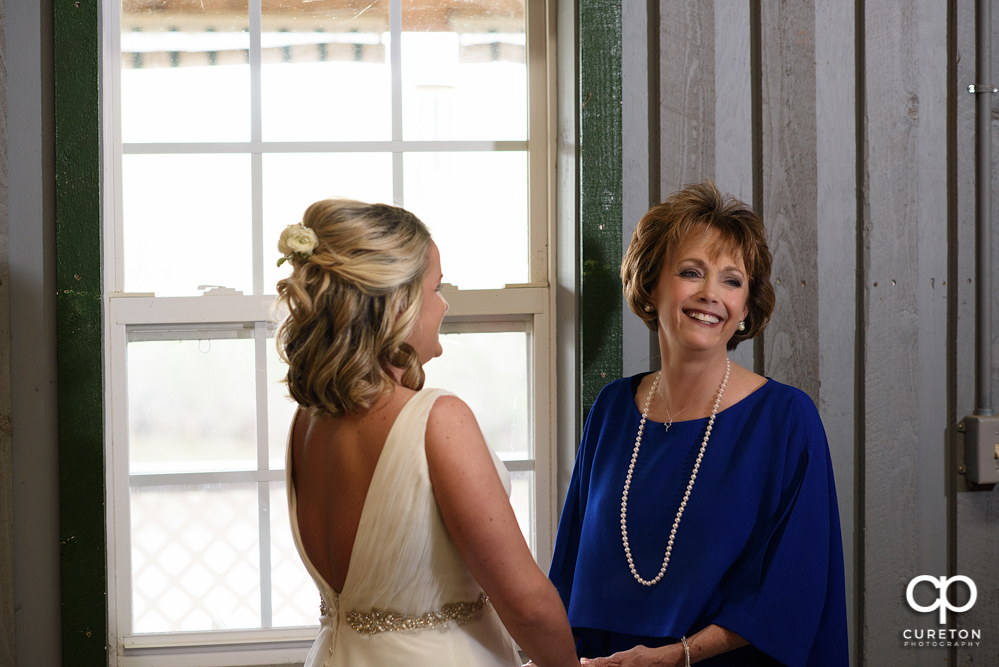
531,304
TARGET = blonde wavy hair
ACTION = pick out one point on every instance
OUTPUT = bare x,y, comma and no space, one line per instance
351,304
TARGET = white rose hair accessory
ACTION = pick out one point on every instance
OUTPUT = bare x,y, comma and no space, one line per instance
297,240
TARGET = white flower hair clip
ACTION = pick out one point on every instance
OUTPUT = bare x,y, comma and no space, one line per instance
297,240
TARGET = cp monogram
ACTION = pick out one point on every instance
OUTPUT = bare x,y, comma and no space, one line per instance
942,603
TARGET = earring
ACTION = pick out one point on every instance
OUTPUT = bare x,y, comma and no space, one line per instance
648,308
742,325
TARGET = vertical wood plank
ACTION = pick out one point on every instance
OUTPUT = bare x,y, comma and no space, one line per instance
733,149
636,339
931,202
787,52
836,208
733,117
35,462
890,321
687,93
80,344
566,238
904,232
977,548
599,25
6,454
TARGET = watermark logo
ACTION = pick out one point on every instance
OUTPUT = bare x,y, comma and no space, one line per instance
942,602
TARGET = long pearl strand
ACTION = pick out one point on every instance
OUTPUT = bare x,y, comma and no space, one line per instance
690,484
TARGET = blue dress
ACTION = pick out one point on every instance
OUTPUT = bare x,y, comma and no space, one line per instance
758,550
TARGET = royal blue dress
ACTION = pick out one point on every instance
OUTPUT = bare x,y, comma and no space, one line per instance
758,550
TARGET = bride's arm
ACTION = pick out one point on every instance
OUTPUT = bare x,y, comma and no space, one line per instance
482,524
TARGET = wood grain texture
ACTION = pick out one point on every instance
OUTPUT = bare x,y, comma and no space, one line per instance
733,100
733,117
891,326
687,93
931,215
931,202
836,208
600,195
787,50
83,542
977,530
7,629
637,340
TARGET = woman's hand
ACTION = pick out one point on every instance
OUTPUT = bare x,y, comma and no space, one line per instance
709,642
640,656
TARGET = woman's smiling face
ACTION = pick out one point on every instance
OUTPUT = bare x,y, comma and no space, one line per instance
702,293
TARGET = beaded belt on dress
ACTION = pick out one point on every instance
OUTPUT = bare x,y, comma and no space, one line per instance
378,620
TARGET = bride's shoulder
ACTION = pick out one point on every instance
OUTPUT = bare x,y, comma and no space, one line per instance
450,420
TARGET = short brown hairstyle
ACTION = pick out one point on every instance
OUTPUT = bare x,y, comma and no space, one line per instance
351,304
699,207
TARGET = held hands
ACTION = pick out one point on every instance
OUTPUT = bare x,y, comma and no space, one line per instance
641,656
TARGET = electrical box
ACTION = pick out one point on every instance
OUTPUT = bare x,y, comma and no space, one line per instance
981,449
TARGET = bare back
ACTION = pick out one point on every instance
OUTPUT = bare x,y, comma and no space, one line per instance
333,461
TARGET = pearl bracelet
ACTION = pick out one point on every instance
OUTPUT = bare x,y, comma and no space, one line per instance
686,650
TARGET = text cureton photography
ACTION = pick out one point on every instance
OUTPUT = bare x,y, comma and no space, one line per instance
936,638
941,637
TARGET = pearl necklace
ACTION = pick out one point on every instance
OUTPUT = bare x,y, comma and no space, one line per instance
690,484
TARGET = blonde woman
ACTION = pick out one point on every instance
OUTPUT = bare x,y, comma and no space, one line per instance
398,508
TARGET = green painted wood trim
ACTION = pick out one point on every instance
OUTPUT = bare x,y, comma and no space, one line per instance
600,196
78,325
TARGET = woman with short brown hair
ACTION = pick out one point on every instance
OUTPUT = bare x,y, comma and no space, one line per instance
701,522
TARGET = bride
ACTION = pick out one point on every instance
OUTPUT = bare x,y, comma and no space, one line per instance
399,510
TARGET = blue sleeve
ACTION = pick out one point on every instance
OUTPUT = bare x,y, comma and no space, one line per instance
563,568
788,597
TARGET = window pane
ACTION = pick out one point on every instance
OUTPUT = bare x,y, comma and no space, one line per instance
191,406
522,499
292,182
186,222
280,407
294,595
489,372
464,71
326,73
185,73
476,206
195,558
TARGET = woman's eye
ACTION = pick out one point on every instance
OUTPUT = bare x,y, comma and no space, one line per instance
688,273
734,283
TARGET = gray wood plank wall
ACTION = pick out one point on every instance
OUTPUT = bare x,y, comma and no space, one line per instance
733,129
687,93
35,444
836,211
865,176
6,480
976,516
789,189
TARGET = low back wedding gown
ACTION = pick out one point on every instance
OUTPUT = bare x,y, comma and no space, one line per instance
408,598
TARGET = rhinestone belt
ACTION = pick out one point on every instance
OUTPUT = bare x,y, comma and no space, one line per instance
378,620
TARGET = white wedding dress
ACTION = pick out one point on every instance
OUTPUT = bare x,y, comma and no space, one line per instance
408,598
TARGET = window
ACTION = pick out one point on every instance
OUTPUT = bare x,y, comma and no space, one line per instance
223,120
